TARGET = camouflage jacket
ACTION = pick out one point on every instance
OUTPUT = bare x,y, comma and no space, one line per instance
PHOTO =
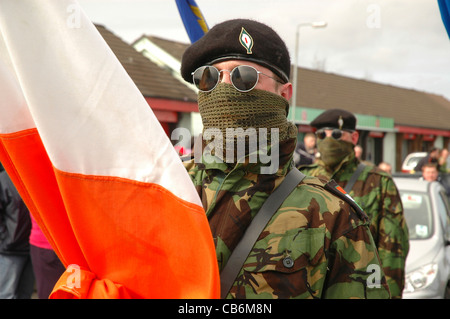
315,246
378,196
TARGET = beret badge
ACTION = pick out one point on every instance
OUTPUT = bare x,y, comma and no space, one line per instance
246,40
340,122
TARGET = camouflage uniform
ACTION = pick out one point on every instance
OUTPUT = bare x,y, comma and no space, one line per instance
315,245
378,196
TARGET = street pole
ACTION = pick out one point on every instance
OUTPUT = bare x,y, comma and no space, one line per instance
319,24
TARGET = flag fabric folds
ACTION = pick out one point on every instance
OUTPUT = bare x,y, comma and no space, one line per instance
193,19
94,165
444,7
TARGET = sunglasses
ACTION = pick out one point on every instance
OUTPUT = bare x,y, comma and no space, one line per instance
243,77
335,133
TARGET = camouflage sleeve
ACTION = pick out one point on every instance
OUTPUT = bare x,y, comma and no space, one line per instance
354,265
393,239
354,268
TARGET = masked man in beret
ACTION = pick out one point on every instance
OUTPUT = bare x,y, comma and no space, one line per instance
373,189
317,243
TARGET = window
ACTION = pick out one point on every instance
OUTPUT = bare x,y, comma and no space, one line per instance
444,213
418,214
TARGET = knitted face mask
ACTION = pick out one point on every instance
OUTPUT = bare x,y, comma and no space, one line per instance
241,117
333,151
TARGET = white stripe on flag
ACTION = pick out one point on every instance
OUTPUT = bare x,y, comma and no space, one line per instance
75,87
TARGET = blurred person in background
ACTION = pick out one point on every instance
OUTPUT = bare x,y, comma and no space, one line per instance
385,167
435,156
358,151
46,264
16,272
430,172
305,152
358,154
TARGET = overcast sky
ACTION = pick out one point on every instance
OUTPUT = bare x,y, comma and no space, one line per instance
397,42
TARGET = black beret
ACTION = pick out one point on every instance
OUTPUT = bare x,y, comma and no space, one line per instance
335,118
238,39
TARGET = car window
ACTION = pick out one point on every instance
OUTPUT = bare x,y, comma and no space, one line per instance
418,214
413,161
443,207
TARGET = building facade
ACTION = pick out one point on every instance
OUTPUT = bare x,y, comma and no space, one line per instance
392,121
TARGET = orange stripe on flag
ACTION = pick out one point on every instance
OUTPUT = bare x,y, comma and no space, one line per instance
26,161
164,232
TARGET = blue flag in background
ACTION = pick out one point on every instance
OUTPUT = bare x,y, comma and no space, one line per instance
444,6
193,19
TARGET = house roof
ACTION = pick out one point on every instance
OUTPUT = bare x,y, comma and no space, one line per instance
407,107
151,80
176,49
316,89
322,90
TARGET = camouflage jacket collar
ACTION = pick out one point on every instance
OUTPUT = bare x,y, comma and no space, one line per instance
256,161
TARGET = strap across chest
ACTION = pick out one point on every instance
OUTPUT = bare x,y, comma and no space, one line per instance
259,222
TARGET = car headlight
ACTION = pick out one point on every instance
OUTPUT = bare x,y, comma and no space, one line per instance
421,278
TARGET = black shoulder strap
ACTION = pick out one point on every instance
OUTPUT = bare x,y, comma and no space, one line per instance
242,250
354,177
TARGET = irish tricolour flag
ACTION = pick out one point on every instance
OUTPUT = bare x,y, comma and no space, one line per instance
93,164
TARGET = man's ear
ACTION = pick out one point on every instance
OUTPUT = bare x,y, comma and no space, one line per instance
355,137
286,91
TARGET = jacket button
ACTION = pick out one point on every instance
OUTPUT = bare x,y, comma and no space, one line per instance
288,262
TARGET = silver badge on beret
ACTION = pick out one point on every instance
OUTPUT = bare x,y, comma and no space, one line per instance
340,122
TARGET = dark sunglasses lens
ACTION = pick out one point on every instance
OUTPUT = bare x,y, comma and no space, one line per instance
336,134
206,78
244,78
321,134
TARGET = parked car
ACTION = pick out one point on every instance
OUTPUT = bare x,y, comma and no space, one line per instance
427,214
411,161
